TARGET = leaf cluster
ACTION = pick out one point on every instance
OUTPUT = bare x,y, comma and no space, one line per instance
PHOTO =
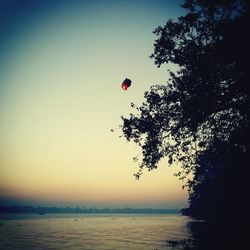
207,99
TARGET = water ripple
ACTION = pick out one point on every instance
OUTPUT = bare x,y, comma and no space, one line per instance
93,232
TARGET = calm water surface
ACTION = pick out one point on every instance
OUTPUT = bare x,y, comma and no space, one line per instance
89,231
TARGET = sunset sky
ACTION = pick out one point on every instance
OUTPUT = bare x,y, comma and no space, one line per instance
61,68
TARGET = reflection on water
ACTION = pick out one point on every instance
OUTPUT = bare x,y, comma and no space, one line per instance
116,231
81,231
213,236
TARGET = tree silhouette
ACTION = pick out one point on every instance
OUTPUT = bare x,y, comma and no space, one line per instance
206,102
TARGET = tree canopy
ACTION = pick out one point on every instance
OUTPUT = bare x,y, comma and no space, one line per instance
206,102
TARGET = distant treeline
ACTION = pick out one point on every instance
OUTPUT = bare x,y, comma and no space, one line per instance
31,209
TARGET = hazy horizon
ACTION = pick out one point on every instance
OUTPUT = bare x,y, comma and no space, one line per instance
36,203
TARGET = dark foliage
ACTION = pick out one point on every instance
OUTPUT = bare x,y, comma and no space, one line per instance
200,117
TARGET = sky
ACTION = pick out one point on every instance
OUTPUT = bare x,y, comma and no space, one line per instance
61,68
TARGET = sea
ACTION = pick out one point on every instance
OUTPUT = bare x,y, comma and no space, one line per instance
94,231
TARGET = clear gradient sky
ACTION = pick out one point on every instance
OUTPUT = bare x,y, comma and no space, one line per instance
61,67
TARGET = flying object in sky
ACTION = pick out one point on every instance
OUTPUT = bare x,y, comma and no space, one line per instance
126,83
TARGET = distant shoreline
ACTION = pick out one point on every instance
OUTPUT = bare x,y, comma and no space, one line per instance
83,210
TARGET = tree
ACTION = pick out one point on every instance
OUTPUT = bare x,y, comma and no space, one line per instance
206,102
